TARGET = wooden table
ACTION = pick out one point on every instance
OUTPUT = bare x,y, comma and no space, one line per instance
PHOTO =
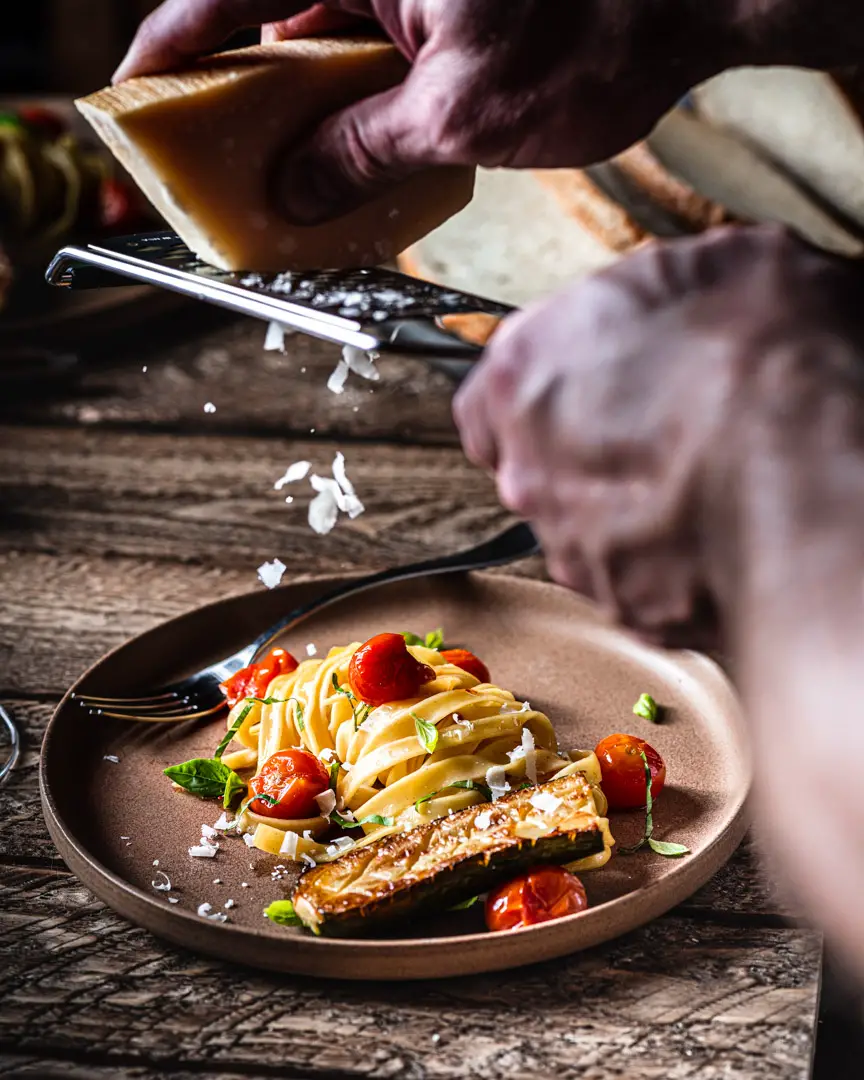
123,503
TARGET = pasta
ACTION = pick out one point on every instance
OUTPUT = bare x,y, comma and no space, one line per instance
403,763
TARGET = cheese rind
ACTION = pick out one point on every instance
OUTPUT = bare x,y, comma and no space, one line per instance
204,145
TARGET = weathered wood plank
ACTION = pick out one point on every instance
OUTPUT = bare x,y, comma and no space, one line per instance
213,500
252,390
679,999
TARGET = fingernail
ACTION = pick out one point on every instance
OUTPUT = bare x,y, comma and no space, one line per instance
312,191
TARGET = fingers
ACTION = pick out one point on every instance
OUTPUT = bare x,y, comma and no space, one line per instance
318,21
181,30
361,152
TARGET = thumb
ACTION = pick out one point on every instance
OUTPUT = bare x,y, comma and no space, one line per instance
358,153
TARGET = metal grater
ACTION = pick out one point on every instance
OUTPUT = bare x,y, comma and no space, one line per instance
377,309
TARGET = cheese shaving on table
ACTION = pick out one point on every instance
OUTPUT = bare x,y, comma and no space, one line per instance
323,510
311,650
271,573
299,470
162,883
222,822
249,839
112,758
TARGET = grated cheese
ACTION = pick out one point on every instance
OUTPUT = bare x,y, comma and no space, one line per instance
162,883
274,340
209,832
496,781
326,802
249,840
338,378
311,650
222,822
323,510
483,819
299,470
545,801
202,851
209,407
228,905
112,758
271,573
289,845
173,900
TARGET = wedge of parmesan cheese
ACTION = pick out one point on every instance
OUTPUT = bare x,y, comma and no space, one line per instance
204,146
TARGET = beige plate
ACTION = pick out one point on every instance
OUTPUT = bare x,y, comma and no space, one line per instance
110,821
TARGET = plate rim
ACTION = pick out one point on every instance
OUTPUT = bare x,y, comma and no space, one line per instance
655,899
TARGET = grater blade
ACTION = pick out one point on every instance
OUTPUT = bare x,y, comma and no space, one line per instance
373,309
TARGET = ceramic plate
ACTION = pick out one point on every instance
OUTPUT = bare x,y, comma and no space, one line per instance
111,820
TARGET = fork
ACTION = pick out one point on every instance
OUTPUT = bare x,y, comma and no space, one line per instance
199,695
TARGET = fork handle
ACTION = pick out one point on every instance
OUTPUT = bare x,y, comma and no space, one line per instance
516,543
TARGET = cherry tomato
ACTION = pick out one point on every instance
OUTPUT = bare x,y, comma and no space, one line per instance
624,771
42,121
252,681
292,778
118,205
468,662
383,670
541,894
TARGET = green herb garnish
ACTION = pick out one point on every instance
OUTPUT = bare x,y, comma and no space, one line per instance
282,912
359,708
661,847
467,785
433,640
207,778
470,902
427,733
647,708
347,823
232,731
334,773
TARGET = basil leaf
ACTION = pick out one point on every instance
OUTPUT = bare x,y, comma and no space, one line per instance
672,851
413,639
268,800
207,778
232,731
334,773
434,639
467,785
341,689
233,786
427,733
361,715
647,708
465,904
347,823
282,912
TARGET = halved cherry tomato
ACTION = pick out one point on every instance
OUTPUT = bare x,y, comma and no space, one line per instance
468,662
383,670
252,681
290,779
624,771
42,121
541,894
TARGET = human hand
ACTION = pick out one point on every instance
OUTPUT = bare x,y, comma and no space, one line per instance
627,416
527,83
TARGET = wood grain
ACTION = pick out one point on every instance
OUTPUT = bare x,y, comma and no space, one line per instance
212,500
677,999
267,392
122,504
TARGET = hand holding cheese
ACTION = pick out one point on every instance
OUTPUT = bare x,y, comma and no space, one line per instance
517,83
205,145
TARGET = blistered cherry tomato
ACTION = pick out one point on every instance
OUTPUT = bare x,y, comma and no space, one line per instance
383,670
42,121
541,894
119,205
252,681
623,770
468,662
290,780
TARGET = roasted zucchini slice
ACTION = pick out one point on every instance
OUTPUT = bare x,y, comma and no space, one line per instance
436,866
